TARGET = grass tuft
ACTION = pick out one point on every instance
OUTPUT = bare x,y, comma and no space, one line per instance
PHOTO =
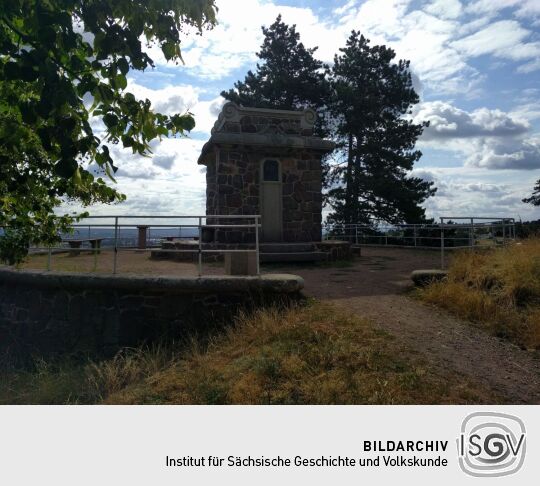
498,288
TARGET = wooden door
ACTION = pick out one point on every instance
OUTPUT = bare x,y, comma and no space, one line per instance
271,201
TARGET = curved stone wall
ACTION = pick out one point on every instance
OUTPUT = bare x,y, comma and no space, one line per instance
47,313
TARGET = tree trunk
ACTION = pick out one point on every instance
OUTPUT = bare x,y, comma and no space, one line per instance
348,213
356,184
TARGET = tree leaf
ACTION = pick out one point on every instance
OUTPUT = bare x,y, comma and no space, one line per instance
170,50
123,65
121,81
65,168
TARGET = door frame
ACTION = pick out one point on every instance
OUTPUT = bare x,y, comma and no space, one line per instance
279,183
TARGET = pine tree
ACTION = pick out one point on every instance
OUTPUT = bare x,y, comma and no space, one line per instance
534,199
371,96
287,78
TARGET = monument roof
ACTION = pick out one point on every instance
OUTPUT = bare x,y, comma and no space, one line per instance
260,127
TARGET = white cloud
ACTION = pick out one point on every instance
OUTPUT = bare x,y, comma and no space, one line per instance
431,37
165,161
481,187
423,37
206,113
529,67
169,182
416,35
503,39
470,191
507,154
168,100
450,122
493,7
529,110
377,18
446,9
344,8
234,41
489,139
181,99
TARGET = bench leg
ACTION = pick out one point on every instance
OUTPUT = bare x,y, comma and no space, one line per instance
96,247
74,253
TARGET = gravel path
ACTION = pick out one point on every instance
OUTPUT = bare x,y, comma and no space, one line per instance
375,287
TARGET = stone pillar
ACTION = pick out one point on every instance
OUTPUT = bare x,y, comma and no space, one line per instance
141,240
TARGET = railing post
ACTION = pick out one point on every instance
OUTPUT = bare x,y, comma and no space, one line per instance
95,252
49,253
142,230
414,231
115,251
356,233
200,247
442,244
257,243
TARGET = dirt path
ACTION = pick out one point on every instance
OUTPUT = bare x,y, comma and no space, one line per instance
374,287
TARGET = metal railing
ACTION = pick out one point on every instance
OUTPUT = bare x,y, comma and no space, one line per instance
496,230
118,234
451,233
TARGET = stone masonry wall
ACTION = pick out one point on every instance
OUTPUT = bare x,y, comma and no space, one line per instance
302,198
233,187
49,313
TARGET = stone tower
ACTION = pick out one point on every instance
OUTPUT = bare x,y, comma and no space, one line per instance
266,162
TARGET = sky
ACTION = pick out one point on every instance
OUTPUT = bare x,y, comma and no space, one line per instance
476,66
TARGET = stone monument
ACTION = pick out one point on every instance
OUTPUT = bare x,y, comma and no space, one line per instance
267,162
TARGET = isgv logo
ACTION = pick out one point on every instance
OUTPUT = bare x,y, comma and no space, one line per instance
491,444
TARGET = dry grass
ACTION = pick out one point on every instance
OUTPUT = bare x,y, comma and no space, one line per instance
499,288
76,382
307,355
128,262
313,355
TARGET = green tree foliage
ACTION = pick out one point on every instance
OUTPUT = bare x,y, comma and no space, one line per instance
372,94
361,102
61,63
287,78
534,199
